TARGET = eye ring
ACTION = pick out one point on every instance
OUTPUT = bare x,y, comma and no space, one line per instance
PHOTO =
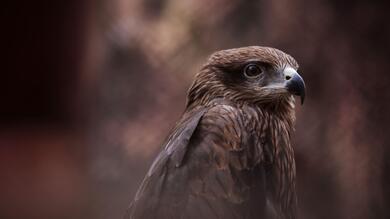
252,71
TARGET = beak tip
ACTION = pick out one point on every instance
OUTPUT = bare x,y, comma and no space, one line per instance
303,94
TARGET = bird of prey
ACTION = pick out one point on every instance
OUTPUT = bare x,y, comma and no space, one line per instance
230,155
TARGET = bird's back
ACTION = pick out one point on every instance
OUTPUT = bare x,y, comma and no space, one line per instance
210,168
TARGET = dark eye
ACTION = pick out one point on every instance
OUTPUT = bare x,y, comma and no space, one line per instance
252,71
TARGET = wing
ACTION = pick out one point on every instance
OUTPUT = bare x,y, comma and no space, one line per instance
208,169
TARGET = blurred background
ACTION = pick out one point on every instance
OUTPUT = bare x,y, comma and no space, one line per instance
90,89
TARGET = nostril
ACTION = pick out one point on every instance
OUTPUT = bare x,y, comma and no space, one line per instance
288,77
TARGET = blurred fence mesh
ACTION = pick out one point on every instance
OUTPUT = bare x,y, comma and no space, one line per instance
95,87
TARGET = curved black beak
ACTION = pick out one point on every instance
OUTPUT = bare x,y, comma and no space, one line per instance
294,83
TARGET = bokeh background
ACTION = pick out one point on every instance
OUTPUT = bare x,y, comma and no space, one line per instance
90,89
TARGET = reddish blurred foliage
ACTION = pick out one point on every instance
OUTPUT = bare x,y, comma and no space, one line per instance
91,89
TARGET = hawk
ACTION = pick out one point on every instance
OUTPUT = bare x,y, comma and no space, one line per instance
230,155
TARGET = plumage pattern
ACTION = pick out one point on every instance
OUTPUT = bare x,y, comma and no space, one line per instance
230,154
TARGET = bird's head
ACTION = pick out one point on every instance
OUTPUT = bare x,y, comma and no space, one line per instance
254,75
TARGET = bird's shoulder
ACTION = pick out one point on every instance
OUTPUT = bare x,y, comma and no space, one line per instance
221,124
234,129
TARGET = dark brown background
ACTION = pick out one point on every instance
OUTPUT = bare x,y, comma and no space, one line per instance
90,89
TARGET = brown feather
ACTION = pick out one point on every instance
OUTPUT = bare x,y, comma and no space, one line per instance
230,155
